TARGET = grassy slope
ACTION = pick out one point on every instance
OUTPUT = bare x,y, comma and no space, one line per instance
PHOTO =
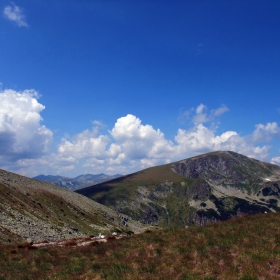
243,248
122,192
146,177
174,207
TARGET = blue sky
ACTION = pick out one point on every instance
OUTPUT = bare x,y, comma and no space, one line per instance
117,86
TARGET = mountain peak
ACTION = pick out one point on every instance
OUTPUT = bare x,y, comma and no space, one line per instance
205,188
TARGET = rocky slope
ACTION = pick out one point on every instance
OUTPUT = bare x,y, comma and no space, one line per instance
78,182
211,187
32,210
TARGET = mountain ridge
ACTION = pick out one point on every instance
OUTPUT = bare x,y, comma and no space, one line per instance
78,182
197,191
209,187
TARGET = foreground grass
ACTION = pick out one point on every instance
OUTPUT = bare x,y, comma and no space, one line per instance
243,248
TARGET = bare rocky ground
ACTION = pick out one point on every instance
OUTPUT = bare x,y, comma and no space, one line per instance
34,211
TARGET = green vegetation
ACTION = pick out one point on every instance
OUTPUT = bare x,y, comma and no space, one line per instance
149,177
211,187
156,196
242,248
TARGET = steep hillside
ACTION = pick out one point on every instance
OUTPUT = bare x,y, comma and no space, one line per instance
211,187
36,211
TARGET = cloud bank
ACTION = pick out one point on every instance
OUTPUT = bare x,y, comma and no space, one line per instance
21,134
131,145
15,14
25,144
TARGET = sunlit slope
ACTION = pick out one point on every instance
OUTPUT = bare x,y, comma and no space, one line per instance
36,211
148,196
210,187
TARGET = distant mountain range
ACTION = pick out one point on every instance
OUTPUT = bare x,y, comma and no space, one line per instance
78,182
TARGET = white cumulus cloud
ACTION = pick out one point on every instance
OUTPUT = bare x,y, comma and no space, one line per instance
84,145
138,141
201,139
21,134
275,160
129,146
15,14
266,132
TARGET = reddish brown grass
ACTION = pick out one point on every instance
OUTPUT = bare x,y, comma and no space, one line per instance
71,242
244,248
111,237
